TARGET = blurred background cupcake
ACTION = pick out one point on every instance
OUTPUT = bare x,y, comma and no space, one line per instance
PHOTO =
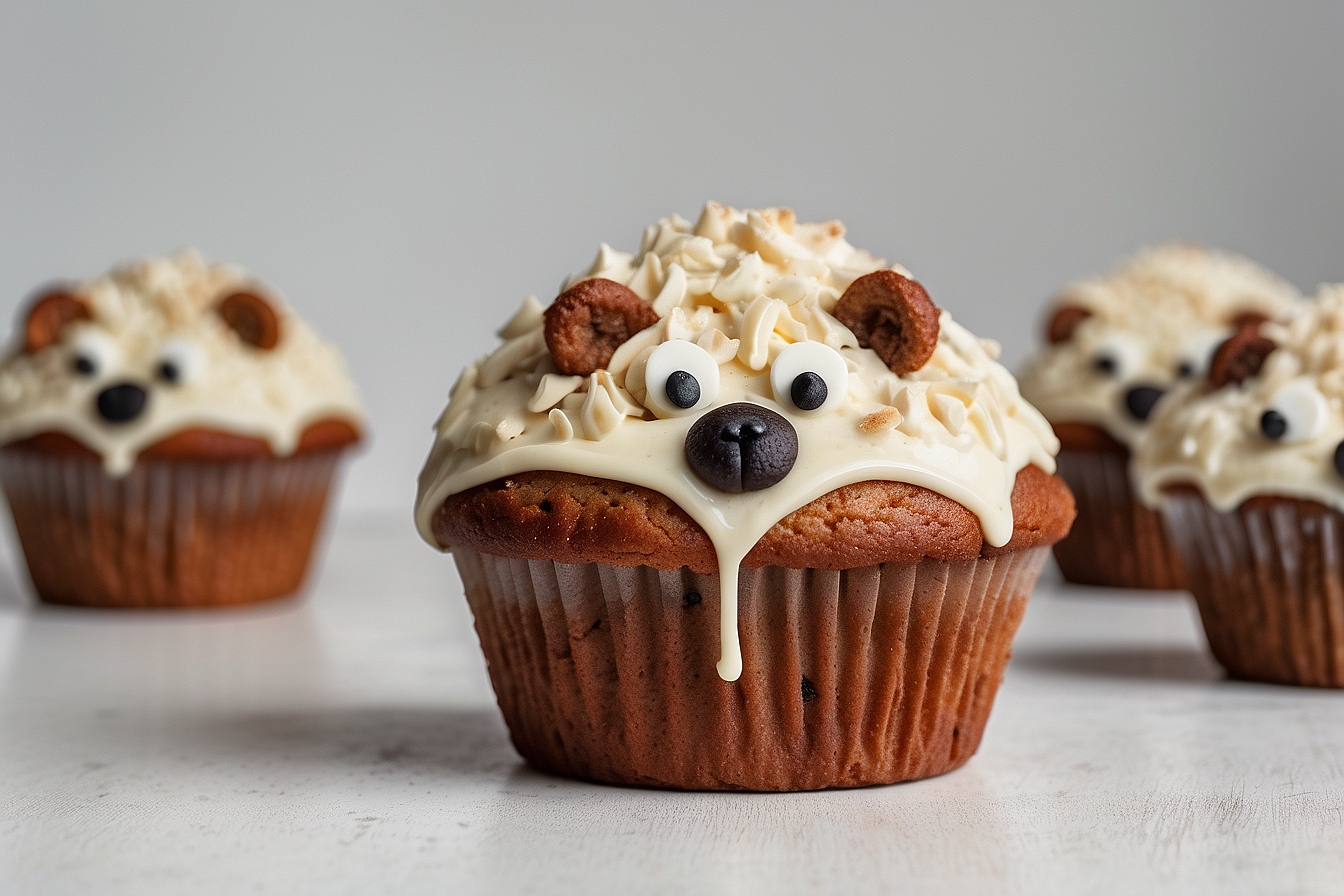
1247,465
1115,345
169,432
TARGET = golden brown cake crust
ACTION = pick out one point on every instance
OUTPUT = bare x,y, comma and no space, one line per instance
204,444
578,519
1087,437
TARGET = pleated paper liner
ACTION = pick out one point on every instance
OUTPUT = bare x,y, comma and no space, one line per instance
170,533
863,676
1116,541
1269,581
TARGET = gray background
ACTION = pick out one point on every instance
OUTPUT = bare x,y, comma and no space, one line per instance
406,174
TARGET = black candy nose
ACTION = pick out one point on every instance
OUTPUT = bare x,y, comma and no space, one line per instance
1141,399
121,403
741,447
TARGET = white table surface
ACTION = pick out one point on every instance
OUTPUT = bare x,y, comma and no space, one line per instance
348,742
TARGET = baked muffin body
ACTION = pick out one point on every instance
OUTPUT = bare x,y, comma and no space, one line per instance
795,464
1115,346
169,435
1247,467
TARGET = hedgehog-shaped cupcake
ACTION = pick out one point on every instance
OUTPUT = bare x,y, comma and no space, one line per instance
1247,466
751,447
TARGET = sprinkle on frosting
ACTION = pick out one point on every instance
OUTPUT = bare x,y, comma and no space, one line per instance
735,293
155,332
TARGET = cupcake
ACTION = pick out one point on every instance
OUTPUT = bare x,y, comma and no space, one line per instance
743,511
1115,346
1247,467
168,435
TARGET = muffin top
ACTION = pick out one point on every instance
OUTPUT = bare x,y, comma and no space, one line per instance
1118,343
174,357
742,366
1268,420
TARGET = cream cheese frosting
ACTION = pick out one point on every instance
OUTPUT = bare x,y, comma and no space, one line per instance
159,312
1220,441
1151,323
745,288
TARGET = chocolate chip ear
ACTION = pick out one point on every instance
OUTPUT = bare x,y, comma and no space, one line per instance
252,318
590,320
1064,321
1240,356
893,316
1248,318
49,314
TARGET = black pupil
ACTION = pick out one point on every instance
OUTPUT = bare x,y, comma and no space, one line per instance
1273,424
683,390
1186,370
808,391
168,370
85,365
1106,364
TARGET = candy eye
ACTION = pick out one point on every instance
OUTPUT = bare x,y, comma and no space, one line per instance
1295,414
680,377
94,353
179,362
809,376
1118,357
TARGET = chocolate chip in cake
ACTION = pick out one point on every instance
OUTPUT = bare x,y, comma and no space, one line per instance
692,599
809,691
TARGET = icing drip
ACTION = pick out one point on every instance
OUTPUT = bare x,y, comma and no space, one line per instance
744,286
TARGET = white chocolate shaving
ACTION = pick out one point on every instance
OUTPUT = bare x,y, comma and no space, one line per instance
527,318
552,388
564,430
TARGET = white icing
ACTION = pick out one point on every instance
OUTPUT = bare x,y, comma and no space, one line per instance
1165,307
1213,439
744,287
163,310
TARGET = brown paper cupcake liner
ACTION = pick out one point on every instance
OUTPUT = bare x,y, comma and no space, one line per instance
1269,581
169,533
1116,541
862,676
